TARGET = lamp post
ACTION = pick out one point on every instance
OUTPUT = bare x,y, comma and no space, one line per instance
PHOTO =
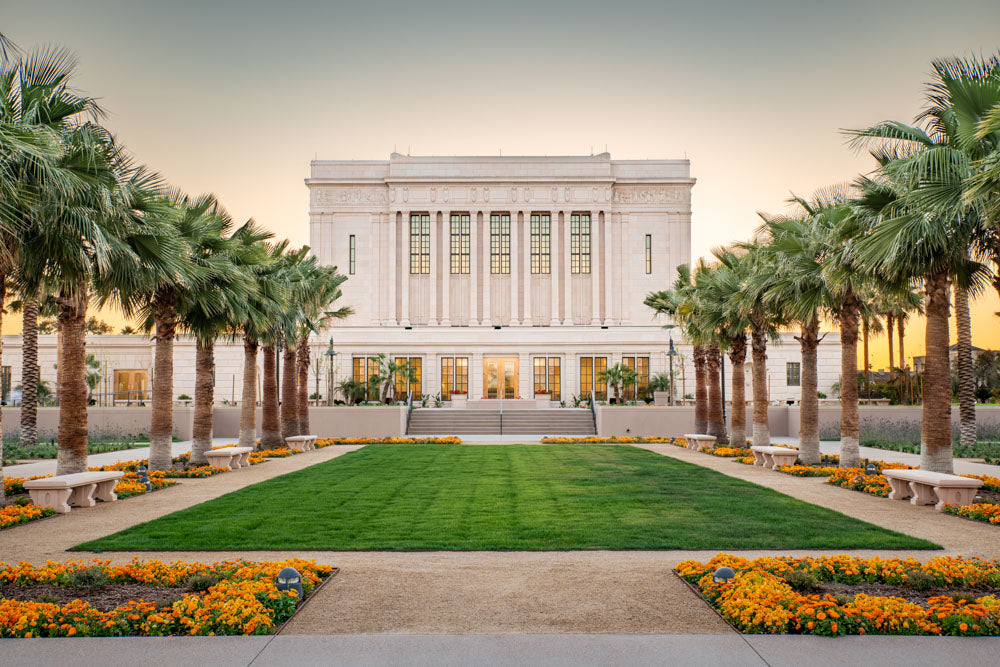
330,352
671,353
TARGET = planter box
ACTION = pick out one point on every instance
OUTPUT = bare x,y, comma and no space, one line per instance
459,400
661,398
543,400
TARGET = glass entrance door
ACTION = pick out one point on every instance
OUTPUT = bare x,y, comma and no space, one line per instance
500,374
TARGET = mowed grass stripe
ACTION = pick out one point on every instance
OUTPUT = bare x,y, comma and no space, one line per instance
504,497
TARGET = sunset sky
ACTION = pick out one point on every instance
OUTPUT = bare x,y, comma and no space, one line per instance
236,97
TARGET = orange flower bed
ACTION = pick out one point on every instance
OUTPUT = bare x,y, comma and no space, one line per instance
245,601
12,515
989,483
326,442
985,512
729,452
602,440
759,599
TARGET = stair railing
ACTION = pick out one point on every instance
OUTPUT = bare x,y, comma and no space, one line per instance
409,409
593,412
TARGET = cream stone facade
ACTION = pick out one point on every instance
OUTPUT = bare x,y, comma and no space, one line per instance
519,269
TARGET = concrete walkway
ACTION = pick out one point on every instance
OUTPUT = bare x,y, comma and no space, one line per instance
514,650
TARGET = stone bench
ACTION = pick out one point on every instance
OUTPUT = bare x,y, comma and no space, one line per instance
924,487
696,441
233,458
76,490
301,443
774,457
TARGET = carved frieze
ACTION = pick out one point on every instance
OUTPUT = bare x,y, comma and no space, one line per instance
641,194
357,195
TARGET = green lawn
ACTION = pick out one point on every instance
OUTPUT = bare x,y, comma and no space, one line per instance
530,497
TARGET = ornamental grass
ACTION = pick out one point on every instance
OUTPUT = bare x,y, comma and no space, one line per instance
759,599
245,601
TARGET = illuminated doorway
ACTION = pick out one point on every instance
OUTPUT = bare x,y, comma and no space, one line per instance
499,374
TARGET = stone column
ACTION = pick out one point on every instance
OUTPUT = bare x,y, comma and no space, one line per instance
515,259
595,276
526,268
626,285
607,247
376,285
393,267
476,389
446,270
487,280
555,263
568,269
435,272
404,316
474,277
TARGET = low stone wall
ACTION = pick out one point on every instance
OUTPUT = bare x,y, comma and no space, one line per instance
892,422
327,422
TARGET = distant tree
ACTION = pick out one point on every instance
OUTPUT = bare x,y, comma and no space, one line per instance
99,327
127,331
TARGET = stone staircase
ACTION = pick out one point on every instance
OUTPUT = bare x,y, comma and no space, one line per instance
557,421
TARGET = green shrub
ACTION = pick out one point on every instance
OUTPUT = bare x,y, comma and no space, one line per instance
920,581
202,582
801,580
91,577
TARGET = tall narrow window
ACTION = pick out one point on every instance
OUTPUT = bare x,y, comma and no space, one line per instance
541,242
586,376
500,243
460,244
420,243
590,378
555,379
364,369
793,374
352,253
454,376
541,375
579,243
637,389
547,376
649,253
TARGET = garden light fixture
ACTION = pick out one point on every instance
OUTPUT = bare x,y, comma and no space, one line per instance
144,477
723,574
290,579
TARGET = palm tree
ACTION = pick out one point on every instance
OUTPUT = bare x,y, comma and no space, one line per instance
921,217
322,289
764,320
679,304
211,311
617,376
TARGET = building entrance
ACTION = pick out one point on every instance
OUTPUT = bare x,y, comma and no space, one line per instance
499,374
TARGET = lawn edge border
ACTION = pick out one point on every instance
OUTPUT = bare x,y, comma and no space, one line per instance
305,603
694,589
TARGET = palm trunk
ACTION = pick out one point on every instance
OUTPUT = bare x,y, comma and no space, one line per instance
270,428
868,377
758,350
302,361
935,446
29,373
809,403
204,397
3,297
888,328
850,438
289,394
248,407
716,426
966,379
700,391
161,429
899,331
738,356
72,455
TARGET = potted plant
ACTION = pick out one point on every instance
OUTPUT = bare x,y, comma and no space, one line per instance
660,386
459,399
543,398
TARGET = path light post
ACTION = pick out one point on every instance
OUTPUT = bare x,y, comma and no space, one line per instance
672,353
330,352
